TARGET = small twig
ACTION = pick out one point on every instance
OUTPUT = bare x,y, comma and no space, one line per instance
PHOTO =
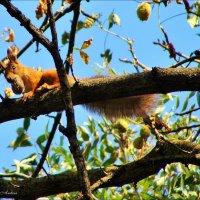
187,112
153,129
178,53
98,184
128,41
136,61
196,136
185,61
14,175
181,128
76,11
47,147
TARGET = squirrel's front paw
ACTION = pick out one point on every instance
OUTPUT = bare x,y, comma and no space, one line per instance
42,87
26,96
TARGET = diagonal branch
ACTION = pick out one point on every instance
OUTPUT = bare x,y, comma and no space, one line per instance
71,131
26,22
47,147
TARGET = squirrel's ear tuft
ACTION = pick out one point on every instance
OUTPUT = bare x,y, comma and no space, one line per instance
12,54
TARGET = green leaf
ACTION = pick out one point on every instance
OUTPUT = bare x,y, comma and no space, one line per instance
20,131
84,133
107,57
198,98
192,93
102,153
65,38
41,139
185,104
94,145
87,150
31,159
111,160
110,148
177,102
26,123
21,141
113,19
80,25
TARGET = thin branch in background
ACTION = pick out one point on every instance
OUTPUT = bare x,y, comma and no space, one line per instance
174,16
14,175
154,131
189,60
135,61
170,47
181,128
196,136
178,53
187,112
47,147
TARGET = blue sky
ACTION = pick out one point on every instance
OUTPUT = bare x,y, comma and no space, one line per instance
143,33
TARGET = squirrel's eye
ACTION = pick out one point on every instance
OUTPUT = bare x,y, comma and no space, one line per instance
13,66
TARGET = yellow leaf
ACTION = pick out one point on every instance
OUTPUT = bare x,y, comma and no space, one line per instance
8,92
88,23
11,36
87,43
41,9
84,57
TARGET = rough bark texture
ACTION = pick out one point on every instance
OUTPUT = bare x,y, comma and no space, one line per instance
164,153
155,81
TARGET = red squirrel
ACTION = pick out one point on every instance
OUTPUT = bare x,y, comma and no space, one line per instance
25,80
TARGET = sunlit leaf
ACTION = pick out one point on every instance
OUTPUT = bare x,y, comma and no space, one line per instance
86,44
11,36
111,160
41,9
113,19
87,150
185,104
41,139
21,141
84,57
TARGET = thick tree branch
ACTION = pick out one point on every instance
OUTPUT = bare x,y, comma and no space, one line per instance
155,81
163,154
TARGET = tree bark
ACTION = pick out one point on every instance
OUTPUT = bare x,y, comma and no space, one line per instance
90,90
163,153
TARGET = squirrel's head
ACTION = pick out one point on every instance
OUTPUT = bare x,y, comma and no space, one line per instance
12,64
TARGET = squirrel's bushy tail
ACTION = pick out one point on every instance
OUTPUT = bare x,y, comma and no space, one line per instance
137,106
